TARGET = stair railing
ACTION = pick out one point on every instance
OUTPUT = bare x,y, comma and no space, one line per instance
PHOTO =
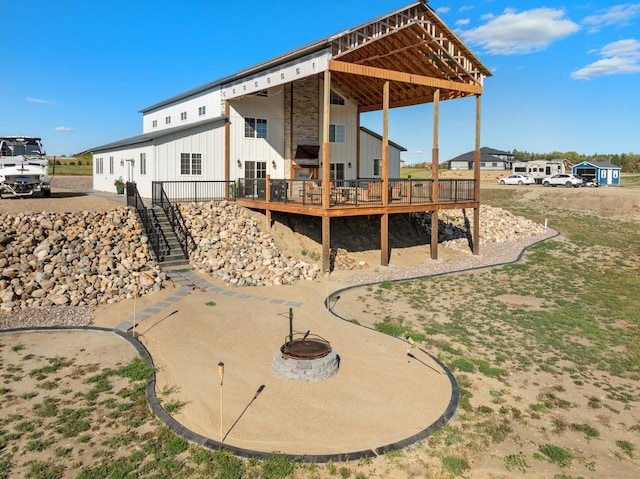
156,236
177,222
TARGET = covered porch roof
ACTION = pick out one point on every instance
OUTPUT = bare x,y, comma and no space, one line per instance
414,50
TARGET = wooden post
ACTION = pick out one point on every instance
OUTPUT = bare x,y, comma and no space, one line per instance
326,147
267,192
227,154
476,182
435,151
385,145
326,244
384,220
326,175
435,164
221,377
384,239
357,163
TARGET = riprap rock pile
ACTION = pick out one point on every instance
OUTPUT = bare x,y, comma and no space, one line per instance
73,259
496,226
231,246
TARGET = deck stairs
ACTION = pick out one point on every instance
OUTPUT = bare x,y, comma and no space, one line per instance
171,255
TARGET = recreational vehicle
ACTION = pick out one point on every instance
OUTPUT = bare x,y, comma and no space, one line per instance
539,169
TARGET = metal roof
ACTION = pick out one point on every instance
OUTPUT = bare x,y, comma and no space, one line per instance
149,137
412,48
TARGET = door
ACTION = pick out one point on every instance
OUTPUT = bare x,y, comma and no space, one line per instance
255,179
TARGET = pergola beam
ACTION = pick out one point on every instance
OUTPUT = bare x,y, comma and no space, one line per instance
411,78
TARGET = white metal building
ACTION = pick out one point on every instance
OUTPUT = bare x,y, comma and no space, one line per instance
272,126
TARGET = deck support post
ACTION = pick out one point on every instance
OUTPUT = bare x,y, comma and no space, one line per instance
326,175
385,145
386,185
435,165
476,183
326,244
384,239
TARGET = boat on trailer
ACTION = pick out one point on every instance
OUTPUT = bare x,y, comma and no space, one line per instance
23,166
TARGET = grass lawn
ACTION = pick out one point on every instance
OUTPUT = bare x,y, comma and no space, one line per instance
64,166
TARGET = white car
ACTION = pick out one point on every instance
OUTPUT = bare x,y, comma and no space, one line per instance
516,180
562,179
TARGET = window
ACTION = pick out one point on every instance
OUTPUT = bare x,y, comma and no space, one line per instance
337,172
255,128
336,99
99,166
376,167
111,165
196,163
202,110
336,133
155,123
183,115
256,169
167,120
143,163
190,163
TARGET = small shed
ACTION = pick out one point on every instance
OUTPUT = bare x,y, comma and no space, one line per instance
606,173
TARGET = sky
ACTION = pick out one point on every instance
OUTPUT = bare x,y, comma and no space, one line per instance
566,74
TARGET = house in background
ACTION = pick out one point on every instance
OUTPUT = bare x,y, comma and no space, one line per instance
297,116
370,165
490,159
605,173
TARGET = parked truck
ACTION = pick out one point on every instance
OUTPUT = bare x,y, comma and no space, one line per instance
23,166
539,169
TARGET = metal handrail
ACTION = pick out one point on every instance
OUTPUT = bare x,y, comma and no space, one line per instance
177,223
147,216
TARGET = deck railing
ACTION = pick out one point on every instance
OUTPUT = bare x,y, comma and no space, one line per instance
192,191
355,193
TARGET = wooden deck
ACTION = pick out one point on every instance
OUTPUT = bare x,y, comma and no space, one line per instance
355,197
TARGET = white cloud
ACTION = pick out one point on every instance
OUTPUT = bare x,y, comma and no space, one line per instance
620,57
36,100
442,10
462,21
516,33
618,14
64,128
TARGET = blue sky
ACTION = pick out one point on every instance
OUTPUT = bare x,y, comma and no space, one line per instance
566,74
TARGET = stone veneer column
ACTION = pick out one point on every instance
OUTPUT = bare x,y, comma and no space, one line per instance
305,108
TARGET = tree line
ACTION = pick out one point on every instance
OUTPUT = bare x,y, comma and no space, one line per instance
629,162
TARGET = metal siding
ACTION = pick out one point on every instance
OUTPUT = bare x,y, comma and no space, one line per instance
270,150
211,100
346,115
371,148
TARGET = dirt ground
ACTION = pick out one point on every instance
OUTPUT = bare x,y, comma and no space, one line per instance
184,360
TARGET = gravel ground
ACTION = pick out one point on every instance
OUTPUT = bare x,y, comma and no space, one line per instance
81,183
491,254
47,317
